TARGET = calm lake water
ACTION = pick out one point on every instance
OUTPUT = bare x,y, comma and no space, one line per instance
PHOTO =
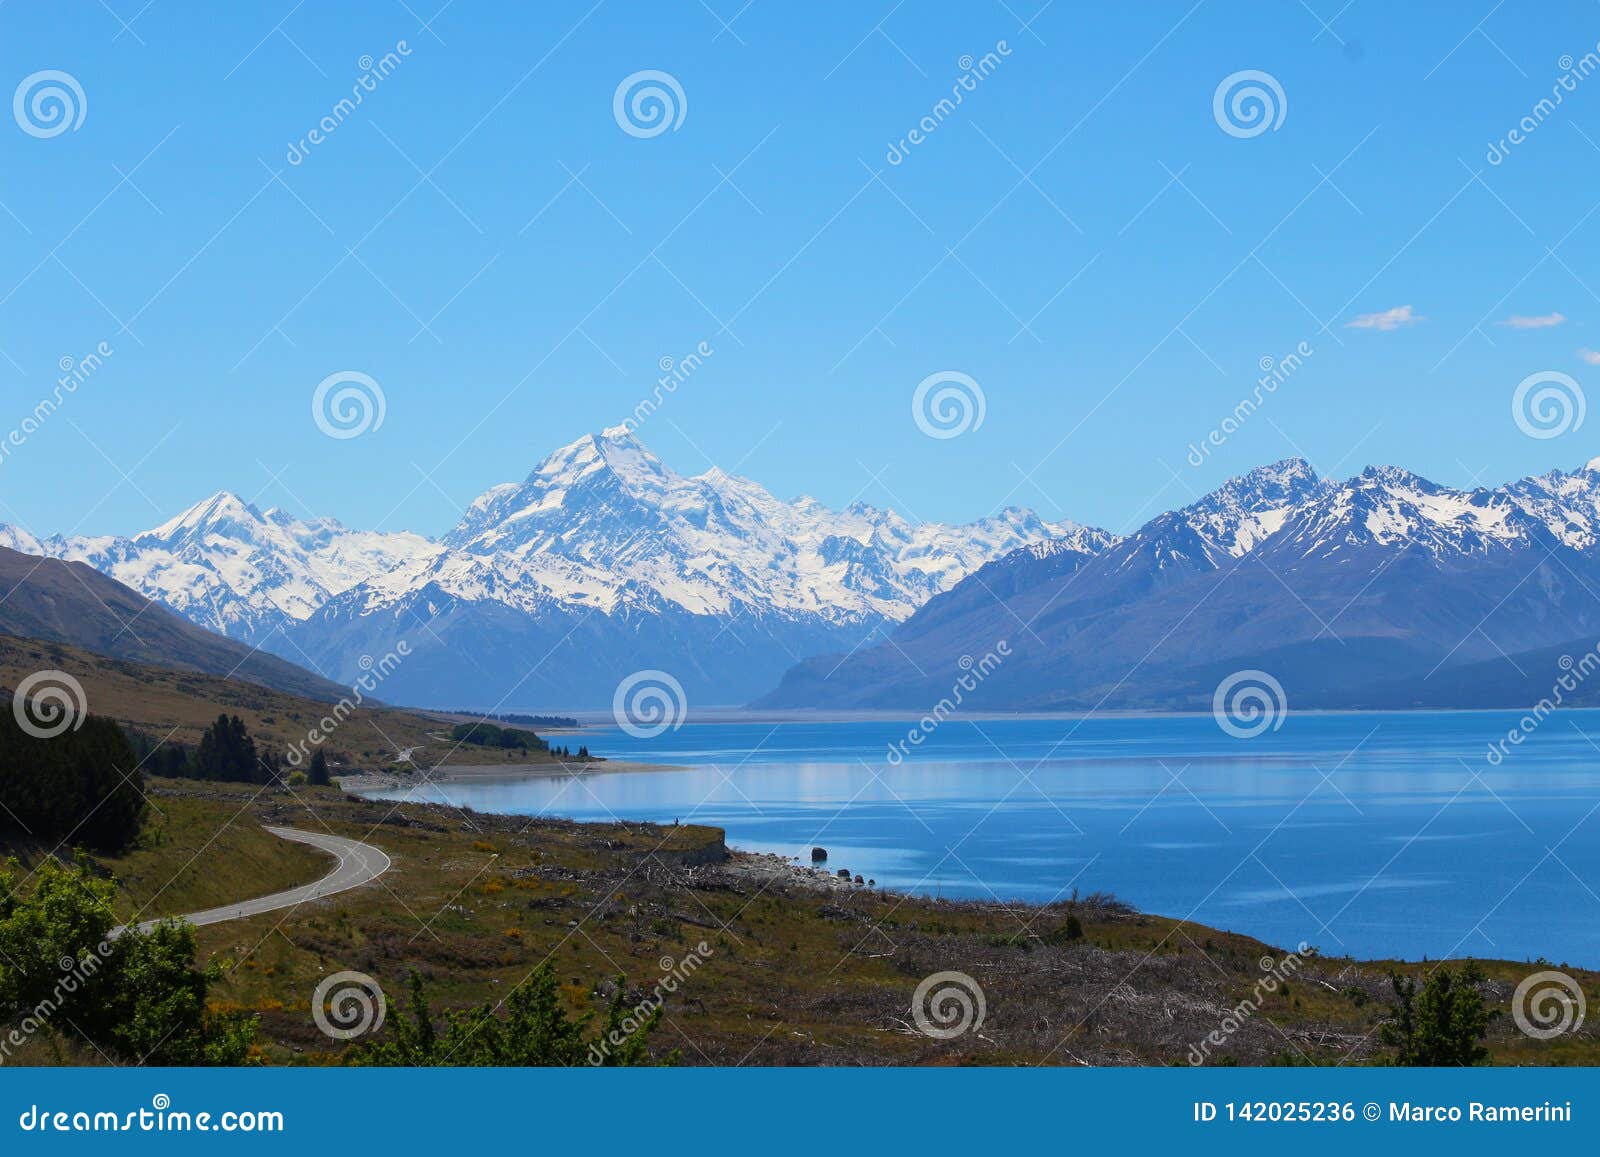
1378,835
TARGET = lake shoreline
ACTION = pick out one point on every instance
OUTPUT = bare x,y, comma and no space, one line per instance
1174,814
366,783
792,965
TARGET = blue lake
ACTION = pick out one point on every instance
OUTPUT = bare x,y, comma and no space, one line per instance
1377,835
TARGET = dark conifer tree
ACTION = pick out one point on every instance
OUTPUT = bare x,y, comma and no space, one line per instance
82,786
227,753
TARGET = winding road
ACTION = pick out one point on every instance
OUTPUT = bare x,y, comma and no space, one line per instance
358,864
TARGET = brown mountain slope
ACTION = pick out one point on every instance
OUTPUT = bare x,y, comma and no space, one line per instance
69,602
181,704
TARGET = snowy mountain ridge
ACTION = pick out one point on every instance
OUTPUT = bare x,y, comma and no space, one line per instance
1356,592
603,561
600,525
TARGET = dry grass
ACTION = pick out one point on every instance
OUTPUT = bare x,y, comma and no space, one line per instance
180,705
794,974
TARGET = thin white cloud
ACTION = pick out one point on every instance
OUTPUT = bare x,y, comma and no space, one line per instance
1590,356
1396,318
1538,321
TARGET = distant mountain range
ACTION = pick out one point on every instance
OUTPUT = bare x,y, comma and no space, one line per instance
548,592
1382,591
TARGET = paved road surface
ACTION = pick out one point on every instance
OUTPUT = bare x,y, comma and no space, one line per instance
358,864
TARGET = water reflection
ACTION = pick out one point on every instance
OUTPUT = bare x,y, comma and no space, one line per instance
1379,835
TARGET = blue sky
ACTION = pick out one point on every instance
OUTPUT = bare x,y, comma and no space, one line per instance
1080,237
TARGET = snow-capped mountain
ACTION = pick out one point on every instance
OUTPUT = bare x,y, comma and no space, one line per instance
603,561
234,569
612,513
1241,513
1354,592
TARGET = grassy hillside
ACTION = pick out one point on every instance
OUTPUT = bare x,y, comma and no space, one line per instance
794,970
180,704
793,975
74,604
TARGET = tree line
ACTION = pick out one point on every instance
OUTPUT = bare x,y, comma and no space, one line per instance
84,785
510,739
226,753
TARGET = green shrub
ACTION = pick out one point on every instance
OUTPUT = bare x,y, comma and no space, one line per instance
491,735
1442,1024
529,1028
1069,932
135,997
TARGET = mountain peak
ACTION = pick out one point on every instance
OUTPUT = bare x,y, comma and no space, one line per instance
222,504
1397,476
221,508
1269,487
615,449
1288,471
